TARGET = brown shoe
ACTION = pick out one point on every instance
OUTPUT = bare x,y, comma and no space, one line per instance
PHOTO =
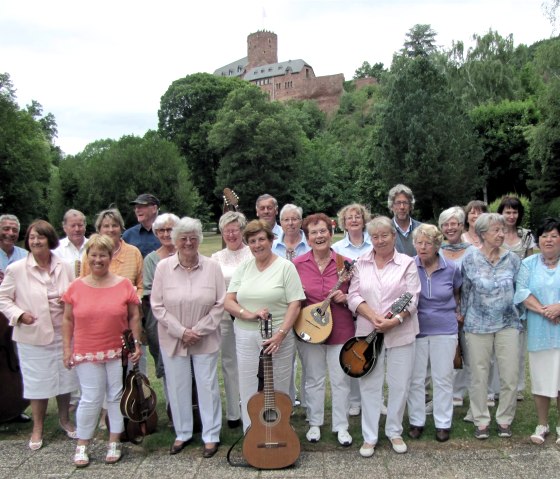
442,435
415,432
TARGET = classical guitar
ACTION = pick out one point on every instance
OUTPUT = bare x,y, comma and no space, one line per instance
359,355
270,441
231,203
314,323
139,400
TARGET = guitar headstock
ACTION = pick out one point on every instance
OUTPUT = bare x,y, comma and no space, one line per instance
401,303
346,273
266,327
128,341
231,200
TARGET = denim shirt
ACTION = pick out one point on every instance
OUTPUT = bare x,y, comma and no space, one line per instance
487,292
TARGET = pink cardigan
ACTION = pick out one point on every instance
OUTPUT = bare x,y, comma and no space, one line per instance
23,290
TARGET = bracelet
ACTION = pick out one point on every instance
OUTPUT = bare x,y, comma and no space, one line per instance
400,318
241,312
283,332
136,341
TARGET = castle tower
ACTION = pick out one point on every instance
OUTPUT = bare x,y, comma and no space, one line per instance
262,49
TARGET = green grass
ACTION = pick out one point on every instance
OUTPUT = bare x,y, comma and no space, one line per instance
462,432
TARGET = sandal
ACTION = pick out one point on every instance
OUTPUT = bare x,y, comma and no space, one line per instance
81,458
114,453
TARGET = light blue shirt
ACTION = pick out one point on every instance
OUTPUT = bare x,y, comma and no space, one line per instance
487,292
345,247
18,253
279,248
536,279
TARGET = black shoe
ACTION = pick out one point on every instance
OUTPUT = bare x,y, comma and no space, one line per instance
234,423
415,432
208,452
442,435
177,448
21,418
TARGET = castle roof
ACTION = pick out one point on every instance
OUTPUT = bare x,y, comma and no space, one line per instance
234,69
275,69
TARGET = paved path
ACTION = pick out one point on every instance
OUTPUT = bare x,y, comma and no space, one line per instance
456,459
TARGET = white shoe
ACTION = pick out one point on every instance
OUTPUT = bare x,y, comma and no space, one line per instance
354,411
540,433
314,434
367,450
457,402
344,438
383,410
491,401
429,408
399,446
558,435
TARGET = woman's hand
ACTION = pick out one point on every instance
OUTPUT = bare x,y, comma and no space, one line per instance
383,325
273,344
67,360
137,354
190,337
339,297
552,312
27,318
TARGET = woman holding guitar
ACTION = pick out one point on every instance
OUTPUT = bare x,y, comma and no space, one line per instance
319,272
380,277
265,284
98,307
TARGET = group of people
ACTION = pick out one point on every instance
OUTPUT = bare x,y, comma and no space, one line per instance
472,280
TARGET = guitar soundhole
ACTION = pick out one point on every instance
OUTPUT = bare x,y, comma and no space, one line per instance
270,415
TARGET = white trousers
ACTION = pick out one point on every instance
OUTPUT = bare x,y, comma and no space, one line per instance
248,345
400,361
229,369
99,381
505,344
439,351
317,359
179,389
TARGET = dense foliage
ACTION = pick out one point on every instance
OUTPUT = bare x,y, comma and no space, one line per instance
453,125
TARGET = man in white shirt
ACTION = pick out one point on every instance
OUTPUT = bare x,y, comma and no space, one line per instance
71,248
267,209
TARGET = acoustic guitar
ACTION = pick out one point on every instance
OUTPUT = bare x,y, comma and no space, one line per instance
359,355
270,441
231,203
314,323
139,400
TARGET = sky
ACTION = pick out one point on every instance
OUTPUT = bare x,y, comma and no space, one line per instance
100,67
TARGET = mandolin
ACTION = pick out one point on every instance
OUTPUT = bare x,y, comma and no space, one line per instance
314,323
270,441
139,400
359,355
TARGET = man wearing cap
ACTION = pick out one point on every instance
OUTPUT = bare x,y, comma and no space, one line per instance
146,208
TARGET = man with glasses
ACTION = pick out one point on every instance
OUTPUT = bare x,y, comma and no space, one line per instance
401,203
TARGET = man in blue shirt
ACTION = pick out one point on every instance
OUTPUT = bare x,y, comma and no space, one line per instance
9,234
267,209
401,203
146,208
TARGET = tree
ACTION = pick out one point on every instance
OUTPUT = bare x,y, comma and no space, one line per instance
420,41
187,113
425,140
370,71
259,144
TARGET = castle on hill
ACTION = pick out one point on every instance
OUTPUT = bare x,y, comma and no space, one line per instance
288,80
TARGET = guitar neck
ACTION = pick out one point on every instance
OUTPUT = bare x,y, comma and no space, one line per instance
328,299
268,389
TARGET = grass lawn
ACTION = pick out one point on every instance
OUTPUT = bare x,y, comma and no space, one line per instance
462,432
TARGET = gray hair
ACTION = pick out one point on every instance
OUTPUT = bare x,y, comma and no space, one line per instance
264,197
289,207
163,219
71,213
430,231
187,225
112,213
341,215
381,222
454,212
400,190
10,218
485,220
232,217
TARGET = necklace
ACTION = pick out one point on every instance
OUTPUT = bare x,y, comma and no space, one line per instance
189,268
550,263
322,263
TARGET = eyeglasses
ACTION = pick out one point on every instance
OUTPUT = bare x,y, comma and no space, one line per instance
352,218
323,231
401,203
186,239
384,237
164,230
450,225
290,220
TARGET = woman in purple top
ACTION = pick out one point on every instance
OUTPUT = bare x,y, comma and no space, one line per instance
438,317
318,270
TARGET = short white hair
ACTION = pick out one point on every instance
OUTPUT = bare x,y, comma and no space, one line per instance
187,225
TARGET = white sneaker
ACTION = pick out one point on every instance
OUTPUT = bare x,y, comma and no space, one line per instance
399,446
429,408
344,438
491,401
540,433
367,449
383,409
457,402
314,434
354,411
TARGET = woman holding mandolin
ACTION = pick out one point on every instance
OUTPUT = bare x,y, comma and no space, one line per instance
98,307
188,295
380,277
265,284
319,272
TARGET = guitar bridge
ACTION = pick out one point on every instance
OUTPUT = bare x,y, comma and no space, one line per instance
271,445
